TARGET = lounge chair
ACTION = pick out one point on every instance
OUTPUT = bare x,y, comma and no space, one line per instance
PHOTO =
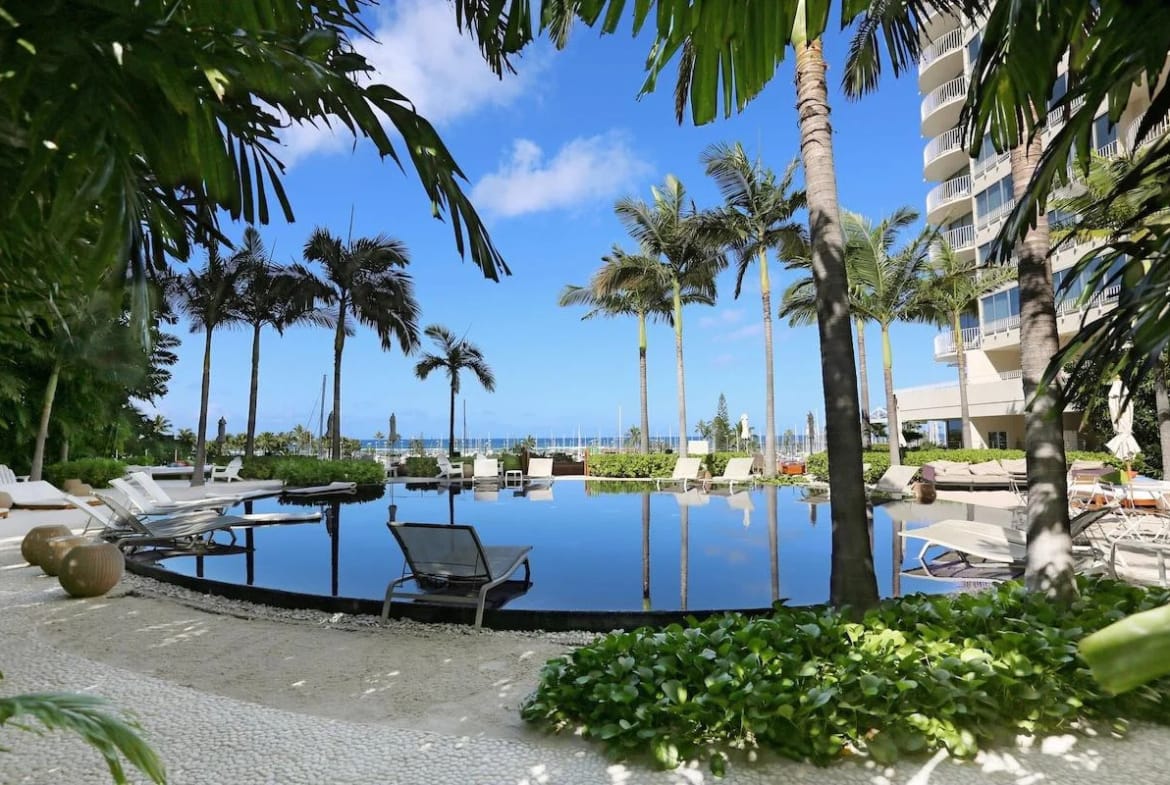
742,501
452,566
37,495
691,498
894,482
685,470
144,505
9,477
229,472
159,495
448,470
738,470
485,470
121,526
539,470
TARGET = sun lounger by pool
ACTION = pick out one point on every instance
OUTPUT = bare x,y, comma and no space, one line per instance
270,518
9,477
685,470
37,495
120,525
161,498
322,490
738,470
451,565
448,470
145,505
894,482
228,473
539,470
486,470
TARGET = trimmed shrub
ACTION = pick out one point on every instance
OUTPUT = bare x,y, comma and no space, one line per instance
92,471
421,466
263,467
917,674
632,465
879,459
311,471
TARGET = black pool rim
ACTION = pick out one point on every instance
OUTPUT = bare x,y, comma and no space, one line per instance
523,619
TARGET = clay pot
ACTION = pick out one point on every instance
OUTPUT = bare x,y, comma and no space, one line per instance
76,487
55,550
33,545
91,570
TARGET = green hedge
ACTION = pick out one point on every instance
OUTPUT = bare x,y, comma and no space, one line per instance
879,459
657,464
263,467
94,471
917,674
420,466
308,471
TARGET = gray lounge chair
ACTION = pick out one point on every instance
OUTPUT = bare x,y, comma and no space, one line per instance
122,527
450,565
145,505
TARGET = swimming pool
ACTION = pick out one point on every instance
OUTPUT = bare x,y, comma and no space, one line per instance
591,550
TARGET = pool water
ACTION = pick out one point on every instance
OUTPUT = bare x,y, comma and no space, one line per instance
602,551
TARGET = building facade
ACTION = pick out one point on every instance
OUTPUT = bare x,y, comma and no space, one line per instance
968,200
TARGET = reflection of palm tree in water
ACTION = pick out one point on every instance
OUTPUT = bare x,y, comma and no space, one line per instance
333,527
898,546
646,551
774,539
684,518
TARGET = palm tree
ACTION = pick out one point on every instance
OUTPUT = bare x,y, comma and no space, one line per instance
367,283
209,299
952,288
756,217
677,254
644,299
454,355
272,296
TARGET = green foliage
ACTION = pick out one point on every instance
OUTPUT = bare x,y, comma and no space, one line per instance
716,462
93,471
632,465
879,459
421,466
917,674
112,736
311,471
263,467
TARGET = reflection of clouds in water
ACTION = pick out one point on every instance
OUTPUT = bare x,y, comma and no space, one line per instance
731,556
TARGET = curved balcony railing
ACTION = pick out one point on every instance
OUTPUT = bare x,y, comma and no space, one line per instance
960,237
954,90
952,190
941,46
1159,129
944,343
942,144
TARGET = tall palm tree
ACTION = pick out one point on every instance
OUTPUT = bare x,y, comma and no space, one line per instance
209,300
644,299
454,355
273,296
367,282
677,254
950,289
756,218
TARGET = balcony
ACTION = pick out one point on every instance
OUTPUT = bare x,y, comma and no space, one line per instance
1159,129
983,221
957,189
939,58
959,238
943,155
987,396
941,106
944,343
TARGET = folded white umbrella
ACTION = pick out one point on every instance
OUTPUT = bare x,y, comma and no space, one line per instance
1123,445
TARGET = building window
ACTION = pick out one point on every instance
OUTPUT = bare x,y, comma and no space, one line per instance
994,197
997,440
973,48
1059,88
999,308
986,152
1104,132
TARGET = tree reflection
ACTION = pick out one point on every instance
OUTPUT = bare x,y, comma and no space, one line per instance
774,538
645,550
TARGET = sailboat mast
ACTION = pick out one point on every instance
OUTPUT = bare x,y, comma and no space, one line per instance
321,416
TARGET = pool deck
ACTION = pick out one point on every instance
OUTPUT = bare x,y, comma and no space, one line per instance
232,692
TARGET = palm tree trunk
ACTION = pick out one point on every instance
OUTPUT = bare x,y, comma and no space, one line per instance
1162,411
684,555
964,406
893,427
852,581
682,389
253,393
643,402
38,460
769,380
645,551
863,377
1050,563
774,539
204,396
451,432
338,348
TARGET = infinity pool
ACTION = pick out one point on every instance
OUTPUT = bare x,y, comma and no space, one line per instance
592,551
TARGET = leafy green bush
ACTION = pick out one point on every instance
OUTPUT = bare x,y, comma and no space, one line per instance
916,674
716,462
310,472
93,471
879,459
263,467
421,466
632,465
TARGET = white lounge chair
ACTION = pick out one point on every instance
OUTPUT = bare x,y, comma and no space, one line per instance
8,477
895,482
120,525
691,498
157,493
145,505
685,470
35,495
450,565
229,472
738,470
539,470
486,469
449,470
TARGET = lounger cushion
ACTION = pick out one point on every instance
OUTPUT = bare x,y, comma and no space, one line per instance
1014,465
1081,465
986,469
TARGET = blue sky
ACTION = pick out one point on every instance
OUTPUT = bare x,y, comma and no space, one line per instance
546,153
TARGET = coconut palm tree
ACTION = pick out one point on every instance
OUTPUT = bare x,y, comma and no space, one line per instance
676,254
277,297
209,300
367,282
756,218
951,288
454,355
645,299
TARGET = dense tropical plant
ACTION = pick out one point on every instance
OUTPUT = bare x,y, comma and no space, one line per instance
951,288
209,298
756,218
452,356
272,296
677,254
367,282
644,299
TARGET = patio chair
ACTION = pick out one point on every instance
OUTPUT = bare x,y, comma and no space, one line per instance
9,477
539,470
122,527
685,470
449,470
738,470
229,472
485,469
144,505
894,482
36,495
159,495
451,565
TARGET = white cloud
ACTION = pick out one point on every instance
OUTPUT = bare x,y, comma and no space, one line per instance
419,51
722,318
586,169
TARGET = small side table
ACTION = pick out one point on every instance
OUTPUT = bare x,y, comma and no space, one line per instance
513,475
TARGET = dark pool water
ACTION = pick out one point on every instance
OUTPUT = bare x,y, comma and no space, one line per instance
591,551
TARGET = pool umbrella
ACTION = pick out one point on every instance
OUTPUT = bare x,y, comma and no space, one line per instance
745,431
1123,445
